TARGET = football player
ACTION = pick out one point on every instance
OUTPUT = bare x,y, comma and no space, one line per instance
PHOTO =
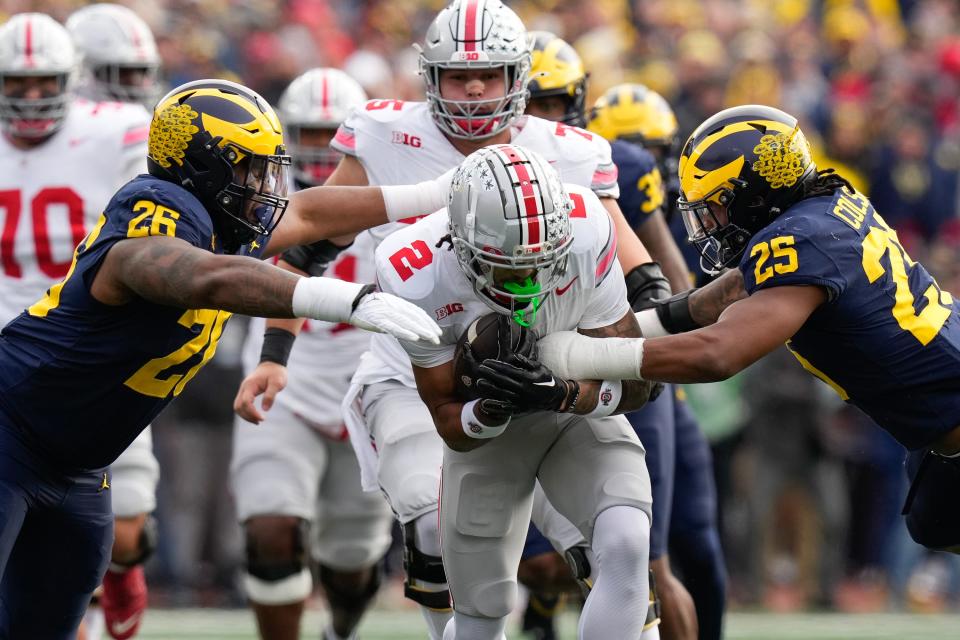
120,58
120,63
313,499
817,267
475,64
558,90
517,241
642,130
140,309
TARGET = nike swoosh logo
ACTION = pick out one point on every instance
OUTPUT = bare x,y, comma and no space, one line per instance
549,383
563,290
122,626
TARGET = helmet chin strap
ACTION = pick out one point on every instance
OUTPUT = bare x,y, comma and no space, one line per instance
527,288
710,267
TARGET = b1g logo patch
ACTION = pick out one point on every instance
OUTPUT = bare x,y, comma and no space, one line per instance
448,310
399,137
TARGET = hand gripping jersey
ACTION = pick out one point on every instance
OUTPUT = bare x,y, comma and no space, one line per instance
51,195
888,339
398,143
326,353
592,294
641,185
81,379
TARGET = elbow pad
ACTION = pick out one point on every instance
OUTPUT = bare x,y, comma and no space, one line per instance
645,285
313,258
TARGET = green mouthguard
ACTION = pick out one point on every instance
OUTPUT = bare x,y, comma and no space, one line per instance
528,315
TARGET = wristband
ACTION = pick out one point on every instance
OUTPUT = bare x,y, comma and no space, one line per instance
476,429
277,344
608,399
674,313
325,299
408,200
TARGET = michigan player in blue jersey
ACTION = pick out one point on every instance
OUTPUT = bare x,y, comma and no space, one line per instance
557,92
643,133
819,269
88,366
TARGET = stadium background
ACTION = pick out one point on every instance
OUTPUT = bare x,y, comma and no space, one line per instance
810,491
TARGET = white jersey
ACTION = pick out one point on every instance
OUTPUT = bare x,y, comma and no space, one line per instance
51,195
398,143
325,355
591,295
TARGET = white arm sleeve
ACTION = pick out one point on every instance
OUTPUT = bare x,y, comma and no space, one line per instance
572,355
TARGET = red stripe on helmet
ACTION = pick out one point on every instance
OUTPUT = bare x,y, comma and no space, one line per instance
470,26
28,41
531,203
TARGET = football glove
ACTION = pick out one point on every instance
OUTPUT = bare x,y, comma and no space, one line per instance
526,385
384,313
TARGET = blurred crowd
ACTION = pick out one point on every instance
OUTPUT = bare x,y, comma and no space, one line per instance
876,85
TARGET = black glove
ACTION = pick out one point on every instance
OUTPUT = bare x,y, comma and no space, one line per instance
645,285
526,385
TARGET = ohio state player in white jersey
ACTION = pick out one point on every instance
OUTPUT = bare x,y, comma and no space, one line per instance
61,159
475,63
515,241
313,504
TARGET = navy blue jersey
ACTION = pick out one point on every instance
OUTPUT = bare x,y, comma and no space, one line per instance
641,186
888,338
83,378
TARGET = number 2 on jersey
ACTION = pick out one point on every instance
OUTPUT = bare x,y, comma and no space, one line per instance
412,258
924,325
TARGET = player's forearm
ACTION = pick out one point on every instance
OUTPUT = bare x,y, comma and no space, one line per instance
292,325
635,393
708,302
449,422
656,237
171,272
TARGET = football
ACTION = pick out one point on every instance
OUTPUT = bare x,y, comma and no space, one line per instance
494,336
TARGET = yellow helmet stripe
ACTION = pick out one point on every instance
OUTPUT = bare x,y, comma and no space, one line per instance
695,189
746,125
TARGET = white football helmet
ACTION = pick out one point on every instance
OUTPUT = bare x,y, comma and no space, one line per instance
476,34
35,45
510,228
318,99
120,57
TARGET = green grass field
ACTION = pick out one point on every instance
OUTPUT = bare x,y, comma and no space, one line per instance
216,624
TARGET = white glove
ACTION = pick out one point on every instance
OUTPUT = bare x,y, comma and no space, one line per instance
386,313
339,301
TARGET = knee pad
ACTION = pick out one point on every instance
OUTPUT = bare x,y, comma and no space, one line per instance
270,580
146,543
352,601
580,566
424,567
930,511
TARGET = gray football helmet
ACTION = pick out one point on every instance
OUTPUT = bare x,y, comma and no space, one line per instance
34,44
318,99
120,57
510,228
476,34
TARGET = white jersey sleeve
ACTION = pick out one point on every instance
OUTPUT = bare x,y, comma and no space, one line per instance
607,299
581,157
